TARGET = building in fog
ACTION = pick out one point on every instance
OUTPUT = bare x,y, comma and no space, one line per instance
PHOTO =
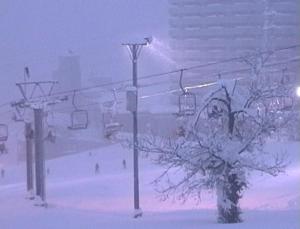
204,31
68,73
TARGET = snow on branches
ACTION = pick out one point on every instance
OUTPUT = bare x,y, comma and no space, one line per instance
225,141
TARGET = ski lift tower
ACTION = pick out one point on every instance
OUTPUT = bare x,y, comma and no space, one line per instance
134,51
36,96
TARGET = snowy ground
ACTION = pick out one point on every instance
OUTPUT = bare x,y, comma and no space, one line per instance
79,198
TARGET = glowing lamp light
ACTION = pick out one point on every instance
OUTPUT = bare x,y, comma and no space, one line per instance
298,91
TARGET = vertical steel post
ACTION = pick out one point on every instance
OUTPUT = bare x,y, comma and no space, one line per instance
29,157
134,51
39,154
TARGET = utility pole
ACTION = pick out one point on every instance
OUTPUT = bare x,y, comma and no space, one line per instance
135,50
29,158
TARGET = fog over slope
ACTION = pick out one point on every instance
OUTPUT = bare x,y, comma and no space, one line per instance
34,33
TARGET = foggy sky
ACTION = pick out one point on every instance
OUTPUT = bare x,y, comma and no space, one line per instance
35,32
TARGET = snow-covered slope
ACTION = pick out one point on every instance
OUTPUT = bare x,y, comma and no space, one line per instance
80,198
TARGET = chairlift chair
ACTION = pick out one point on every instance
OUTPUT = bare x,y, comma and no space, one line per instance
286,103
187,104
18,114
79,120
111,127
3,132
51,136
3,148
17,118
79,117
187,100
51,132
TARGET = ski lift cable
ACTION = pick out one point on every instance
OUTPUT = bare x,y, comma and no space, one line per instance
5,104
171,72
177,70
5,112
80,90
52,60
201,85
161,93
86,105
80,106
211,83
226,73
208,76
219,62
190,86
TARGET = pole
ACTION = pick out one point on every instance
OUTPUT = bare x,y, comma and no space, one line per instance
135,49
39,154
135,132
29,158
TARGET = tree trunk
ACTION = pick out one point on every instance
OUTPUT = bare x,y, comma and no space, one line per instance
228,194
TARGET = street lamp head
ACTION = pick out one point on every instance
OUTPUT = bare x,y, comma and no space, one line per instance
298,91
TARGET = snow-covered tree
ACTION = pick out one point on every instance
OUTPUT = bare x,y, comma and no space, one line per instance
225,141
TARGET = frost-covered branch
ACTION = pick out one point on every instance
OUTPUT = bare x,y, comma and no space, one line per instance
225,141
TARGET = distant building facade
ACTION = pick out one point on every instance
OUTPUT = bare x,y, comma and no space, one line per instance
205,31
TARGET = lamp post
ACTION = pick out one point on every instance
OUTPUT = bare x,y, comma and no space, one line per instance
135,50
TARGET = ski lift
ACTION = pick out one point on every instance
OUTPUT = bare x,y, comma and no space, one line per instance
3,148
51,136
186,101
111,127
3,132
51,132
16,117
18,113
79,118
287,103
